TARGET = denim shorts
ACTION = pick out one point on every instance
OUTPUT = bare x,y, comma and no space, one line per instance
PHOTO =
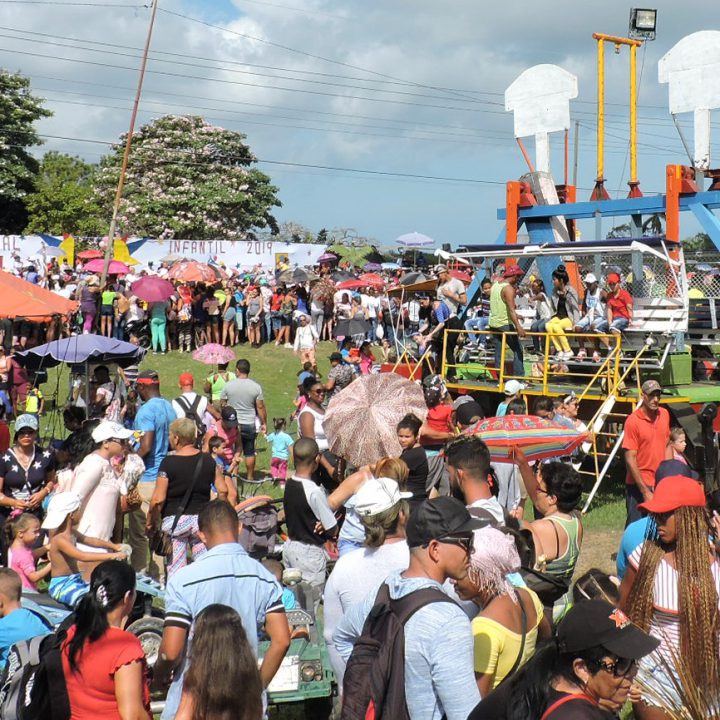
248,434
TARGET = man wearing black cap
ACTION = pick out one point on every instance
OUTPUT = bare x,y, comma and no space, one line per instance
645,443
339,376
439,677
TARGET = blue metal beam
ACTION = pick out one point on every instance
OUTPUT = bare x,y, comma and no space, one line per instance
709,221
614,208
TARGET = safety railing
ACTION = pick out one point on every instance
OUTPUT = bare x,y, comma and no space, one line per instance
546,365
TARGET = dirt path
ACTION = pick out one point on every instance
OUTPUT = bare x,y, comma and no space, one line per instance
597,548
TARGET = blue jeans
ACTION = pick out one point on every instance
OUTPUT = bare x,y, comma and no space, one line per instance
477,323
537,326
513,343
267,320
373,327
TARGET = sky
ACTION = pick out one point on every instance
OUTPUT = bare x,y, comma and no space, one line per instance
383,117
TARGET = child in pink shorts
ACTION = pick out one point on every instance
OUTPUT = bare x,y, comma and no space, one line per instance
281,443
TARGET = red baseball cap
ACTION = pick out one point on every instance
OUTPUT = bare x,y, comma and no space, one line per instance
674,492
186,378
513,270
613,278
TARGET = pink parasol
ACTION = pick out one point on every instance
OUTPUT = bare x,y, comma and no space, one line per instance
360,420
214,354
153,289
115,267
537,437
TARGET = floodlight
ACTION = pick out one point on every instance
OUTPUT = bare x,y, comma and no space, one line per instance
643,22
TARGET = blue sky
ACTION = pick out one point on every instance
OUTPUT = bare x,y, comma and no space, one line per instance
412,87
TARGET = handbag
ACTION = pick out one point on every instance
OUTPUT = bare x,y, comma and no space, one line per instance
160,541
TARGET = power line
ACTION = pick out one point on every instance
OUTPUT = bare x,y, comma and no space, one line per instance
73,4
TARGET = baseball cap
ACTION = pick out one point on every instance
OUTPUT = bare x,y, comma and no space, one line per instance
378,495
468,412
438,518
26,421
513,387
590,279
651,386
512,271
670,468
613,278
229,416
597,623
108,429
440,268
60,506
336,357
674,492
186,378
148,377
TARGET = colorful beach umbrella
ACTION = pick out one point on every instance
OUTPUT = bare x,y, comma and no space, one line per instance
538,438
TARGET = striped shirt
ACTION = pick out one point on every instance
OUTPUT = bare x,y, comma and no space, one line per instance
665,623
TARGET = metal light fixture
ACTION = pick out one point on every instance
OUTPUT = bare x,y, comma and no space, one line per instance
643,22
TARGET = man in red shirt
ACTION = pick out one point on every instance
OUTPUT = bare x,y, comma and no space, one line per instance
619,309
645,443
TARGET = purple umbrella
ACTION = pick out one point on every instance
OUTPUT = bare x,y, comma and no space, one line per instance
372,267
153,289
327,257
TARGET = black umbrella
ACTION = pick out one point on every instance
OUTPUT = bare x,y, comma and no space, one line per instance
341,276
297,275
412,278
348,328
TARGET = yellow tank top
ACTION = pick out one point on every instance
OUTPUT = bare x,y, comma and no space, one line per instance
498,309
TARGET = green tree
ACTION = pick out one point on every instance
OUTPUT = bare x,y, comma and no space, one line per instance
19,110
322,237
700,242
189,179
64,200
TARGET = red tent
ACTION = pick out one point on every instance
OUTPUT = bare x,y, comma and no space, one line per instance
22,299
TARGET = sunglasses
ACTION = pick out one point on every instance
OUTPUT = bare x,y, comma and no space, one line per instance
662,518
121,441
466,542
620,668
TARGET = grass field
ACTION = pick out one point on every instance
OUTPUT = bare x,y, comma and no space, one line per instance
276,369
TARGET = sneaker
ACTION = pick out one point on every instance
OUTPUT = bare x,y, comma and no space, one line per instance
569,355
596,357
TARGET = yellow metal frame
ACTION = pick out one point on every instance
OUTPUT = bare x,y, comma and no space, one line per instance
617,42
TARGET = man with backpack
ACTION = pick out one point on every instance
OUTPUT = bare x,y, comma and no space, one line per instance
408,646
192,405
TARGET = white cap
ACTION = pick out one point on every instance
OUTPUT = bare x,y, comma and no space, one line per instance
60,506
590,279
512,387
378,495
107,429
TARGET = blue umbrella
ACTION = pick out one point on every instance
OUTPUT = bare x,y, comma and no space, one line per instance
389,266
81,349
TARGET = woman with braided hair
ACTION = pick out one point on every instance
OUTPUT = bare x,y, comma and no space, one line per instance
672,590
104,665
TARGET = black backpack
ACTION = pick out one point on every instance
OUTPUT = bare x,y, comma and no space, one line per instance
32,685
374,682
191,412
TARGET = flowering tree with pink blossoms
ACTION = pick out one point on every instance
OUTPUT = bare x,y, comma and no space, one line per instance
189,179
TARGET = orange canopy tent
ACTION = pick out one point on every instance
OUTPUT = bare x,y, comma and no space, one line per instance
21,299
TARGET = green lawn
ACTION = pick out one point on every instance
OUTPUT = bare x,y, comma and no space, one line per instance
276,369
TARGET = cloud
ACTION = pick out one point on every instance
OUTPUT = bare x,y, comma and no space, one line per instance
416,87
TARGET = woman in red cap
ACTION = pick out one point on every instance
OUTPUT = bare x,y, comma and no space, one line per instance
671,590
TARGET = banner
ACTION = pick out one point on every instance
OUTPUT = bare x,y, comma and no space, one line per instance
245,254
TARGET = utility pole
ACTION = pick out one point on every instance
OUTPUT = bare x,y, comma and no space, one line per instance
128,144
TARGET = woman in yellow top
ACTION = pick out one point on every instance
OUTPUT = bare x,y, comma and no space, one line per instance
510,620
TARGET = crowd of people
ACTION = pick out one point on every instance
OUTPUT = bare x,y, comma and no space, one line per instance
475,560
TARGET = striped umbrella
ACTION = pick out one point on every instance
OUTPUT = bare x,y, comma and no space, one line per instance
538,438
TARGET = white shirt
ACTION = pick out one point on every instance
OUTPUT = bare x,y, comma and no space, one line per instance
190,399
453,287
371,304
306,337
